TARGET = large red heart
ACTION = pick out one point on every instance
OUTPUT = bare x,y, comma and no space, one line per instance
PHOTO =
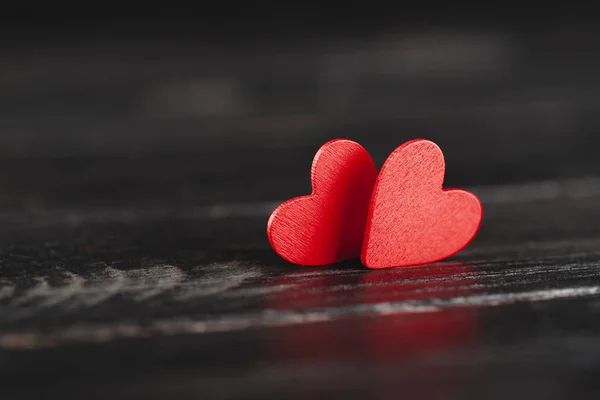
411,219
327,226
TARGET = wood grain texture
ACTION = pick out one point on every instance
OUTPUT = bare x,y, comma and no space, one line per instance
327,226
190,303
411,220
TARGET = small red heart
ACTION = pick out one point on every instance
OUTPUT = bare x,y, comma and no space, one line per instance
327,226
411,219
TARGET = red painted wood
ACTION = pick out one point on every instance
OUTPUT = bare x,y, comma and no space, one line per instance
411,219
328,225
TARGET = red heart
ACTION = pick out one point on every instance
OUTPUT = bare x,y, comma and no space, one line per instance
411,219
327,226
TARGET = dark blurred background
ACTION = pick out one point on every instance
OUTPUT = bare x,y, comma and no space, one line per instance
120,123
229,104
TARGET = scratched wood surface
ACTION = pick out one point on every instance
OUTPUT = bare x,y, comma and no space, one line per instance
190,302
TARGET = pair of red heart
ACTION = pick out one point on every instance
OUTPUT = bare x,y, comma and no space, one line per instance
400,217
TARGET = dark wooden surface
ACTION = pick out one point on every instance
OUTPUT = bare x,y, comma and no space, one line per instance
137,173
189,301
